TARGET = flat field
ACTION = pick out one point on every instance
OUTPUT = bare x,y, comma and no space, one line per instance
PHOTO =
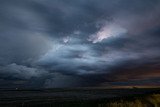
81,97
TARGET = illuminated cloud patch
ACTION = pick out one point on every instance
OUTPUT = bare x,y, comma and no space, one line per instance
106,32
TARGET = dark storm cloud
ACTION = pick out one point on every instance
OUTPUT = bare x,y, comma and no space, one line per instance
21,72
63,43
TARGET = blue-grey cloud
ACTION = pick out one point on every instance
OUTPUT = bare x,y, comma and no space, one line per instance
63,43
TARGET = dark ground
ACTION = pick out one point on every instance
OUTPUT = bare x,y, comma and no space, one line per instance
67,97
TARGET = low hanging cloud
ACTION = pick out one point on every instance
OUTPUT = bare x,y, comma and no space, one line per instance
60,81
21,71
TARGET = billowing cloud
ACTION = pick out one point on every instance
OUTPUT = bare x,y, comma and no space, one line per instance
56,43
21,72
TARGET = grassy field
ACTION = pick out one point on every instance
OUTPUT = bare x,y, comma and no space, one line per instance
142,101
81,98
145,101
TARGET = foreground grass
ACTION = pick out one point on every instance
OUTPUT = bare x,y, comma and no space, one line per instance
145,101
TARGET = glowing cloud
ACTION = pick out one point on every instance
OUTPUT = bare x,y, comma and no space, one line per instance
107,31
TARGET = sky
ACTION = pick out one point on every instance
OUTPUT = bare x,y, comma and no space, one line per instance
79,43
